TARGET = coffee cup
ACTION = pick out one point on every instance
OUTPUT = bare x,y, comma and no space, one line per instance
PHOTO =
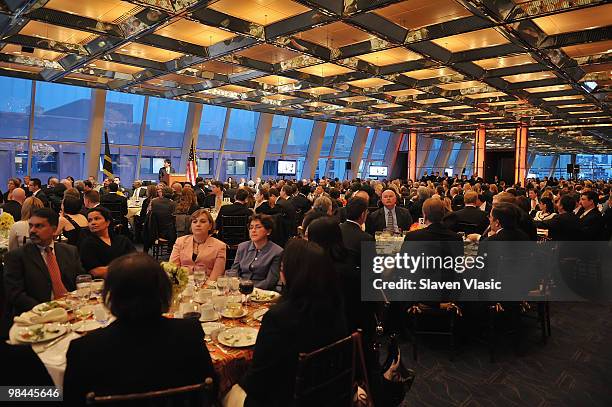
207,311
204,296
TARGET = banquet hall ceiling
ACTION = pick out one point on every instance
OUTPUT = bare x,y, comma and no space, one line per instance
443,66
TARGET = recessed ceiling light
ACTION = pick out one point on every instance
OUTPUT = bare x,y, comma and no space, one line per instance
123,49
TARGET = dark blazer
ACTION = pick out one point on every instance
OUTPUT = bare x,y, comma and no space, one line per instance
416,209
286,226
352,236
266,209
508,235
471,215
377,221
592,225
114,202
436,232
301,203
14,208
133,358
163,173
26,277
286,330
563,227
457,202
235,209
43,197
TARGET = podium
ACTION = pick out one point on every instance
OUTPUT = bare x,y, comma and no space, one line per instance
169,179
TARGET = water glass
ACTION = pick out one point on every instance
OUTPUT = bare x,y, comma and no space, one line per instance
199,276
97,285
83,284
219,302
222,285
100,314
233,281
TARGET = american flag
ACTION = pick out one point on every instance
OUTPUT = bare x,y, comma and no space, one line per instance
192,166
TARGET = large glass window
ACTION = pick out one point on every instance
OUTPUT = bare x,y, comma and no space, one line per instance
595,166
211,127
15,107
299,136
166,120
368,144
61,112
542,166
344,143
241,130
380,145
328,139
123,118
124,164
14,159
58,160
277,133
153,159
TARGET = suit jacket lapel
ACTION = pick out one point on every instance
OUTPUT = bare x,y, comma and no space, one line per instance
38,260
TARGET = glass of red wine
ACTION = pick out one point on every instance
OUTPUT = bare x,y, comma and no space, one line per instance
246,288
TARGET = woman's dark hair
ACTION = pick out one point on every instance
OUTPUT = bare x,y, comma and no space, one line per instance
310,216
266,221
309,273
326,232
550,206
72,206
106,214
136,288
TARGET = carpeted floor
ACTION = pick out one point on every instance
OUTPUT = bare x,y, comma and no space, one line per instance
573,369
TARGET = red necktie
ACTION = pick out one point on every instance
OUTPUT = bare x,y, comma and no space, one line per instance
54,271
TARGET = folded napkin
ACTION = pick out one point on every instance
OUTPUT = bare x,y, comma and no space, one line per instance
31,318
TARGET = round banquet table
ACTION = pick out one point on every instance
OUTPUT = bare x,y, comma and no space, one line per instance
229,363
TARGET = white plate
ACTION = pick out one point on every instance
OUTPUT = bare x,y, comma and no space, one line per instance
46,333
87,326
215,318
238,337
84,311
264,296
258,315
242,313
210,327
48,306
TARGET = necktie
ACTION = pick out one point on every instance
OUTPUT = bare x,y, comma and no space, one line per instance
390,225
54,271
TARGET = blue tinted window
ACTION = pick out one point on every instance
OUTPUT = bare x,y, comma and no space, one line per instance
344,143
165,123
14,159
594,166
62,112
328,139
211,127
299,136
125,161
380,145
321,164
58,160
368,144
123,117
241,130
277,133
15,107
153,159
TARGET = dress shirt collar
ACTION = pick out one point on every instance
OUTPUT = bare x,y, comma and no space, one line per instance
352,221
483,207
585,212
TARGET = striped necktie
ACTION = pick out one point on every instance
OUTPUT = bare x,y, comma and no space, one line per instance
59,290
390,223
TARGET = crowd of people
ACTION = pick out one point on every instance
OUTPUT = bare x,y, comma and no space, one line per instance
301,237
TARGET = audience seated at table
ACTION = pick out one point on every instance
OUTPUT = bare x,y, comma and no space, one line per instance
589,218
564,226
140,351
259,258
13,205
35,188
12,184
390,216
188,202
101,246
309,316
200,249
114,201
71,221
470,219
434,230
238,208
20,230
41,270
547,210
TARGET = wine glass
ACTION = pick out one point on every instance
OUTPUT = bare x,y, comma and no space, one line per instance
222,284
83,284
246,288
199,276
233,281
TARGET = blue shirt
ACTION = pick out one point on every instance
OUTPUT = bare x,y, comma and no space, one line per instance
261,266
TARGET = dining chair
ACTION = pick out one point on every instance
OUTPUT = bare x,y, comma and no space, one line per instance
194,395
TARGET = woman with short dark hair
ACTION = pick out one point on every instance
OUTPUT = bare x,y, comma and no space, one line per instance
309,316
100,247
547,210
258,259
71,221
140,351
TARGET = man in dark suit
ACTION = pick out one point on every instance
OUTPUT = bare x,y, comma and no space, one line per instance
40,270
470,219
166,170
13,206
504,224
590,219
113,201
35,188
200,193
434,230
286,213
238,208
565,226
352,234
390,216
300,201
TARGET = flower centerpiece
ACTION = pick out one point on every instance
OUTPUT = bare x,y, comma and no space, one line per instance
179,277
6,221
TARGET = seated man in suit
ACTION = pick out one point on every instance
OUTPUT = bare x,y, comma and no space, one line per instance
13,206
35,188
590,220
352,234
504,220
113,201
390,216
41,270
563,227
434,230
470,219
238,208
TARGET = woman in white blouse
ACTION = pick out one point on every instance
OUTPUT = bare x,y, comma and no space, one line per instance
546,210
20,231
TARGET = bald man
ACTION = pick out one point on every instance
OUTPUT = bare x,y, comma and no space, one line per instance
13,206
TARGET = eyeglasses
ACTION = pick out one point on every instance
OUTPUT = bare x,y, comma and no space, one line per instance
256,227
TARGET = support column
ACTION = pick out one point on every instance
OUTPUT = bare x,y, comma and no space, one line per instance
314,149
192,127
262,139
96,129
393,146
520,154
480,143
359,142
412,155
